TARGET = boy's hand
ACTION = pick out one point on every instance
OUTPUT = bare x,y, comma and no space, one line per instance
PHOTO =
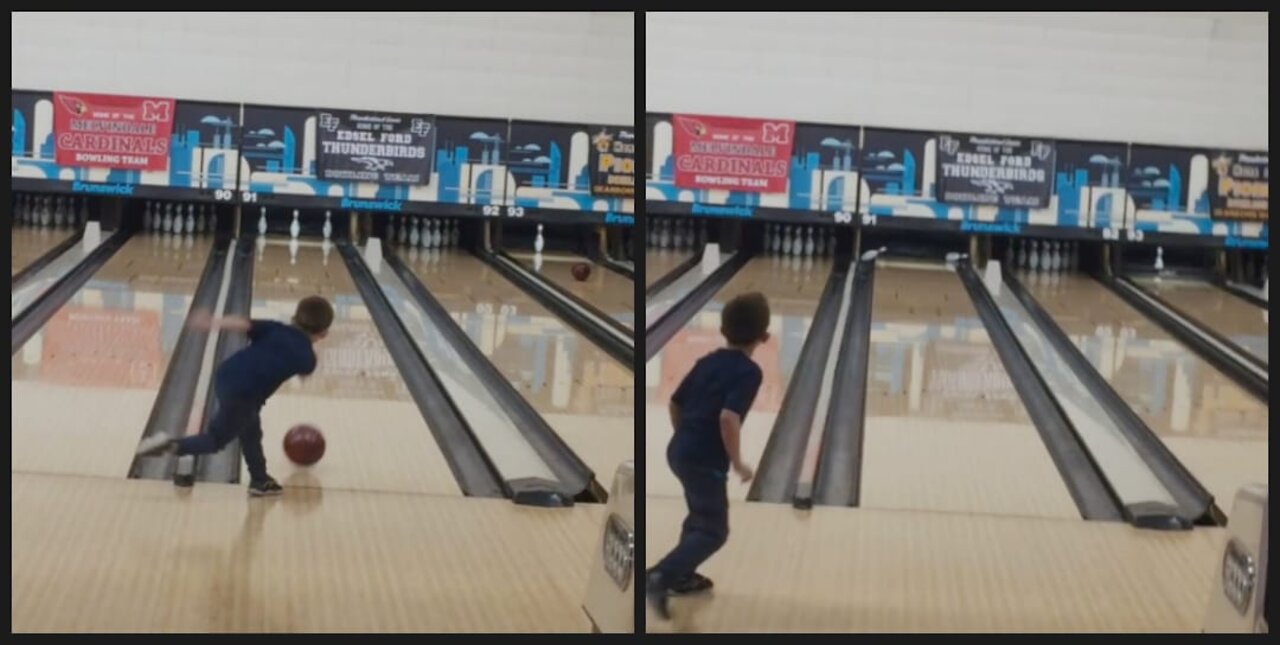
201,320
744,471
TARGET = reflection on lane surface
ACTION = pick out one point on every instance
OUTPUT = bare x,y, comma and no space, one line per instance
31,242
1212,425
604,289
1243,323
84,385
945,428
584,395
794,288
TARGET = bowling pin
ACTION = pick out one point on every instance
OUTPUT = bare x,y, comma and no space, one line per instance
538,242
797,244
167,223
786,240
191,218
295,227
664,237
413,233
262,221
1034,260
808,243
404,232
57,212
1159,259
146,218
328,226
437,234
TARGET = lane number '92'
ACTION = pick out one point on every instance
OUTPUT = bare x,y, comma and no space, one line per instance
490,210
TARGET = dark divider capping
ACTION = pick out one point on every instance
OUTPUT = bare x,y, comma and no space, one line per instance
224,465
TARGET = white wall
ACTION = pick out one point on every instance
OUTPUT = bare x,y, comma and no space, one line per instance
560,67
1190,79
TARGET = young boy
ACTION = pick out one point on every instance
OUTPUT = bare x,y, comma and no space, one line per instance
244,382
707,412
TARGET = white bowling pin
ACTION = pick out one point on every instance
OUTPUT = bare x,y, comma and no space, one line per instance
413,231
191,218
538,242
57,212
797,243
786,240
262,221
1159,259
167,226
328,225
201,220
294,226
1034,260
664,236
146,217
46,215
404,232
808,243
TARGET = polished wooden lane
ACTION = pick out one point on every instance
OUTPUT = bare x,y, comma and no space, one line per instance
945,430
84,385
31,242
659,262
1212,425
1244,323
376,437
869,570
97,554
584,395
606,290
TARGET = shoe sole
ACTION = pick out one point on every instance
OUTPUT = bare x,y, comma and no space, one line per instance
273,493
693,592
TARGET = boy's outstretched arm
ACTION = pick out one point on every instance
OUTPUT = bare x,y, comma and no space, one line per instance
731,433
205,321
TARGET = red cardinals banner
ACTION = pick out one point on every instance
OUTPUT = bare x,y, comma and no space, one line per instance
104,131
725,153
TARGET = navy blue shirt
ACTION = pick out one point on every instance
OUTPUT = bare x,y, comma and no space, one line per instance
726,379
276,353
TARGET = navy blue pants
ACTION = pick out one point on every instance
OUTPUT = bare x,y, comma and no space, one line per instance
706,528
234,419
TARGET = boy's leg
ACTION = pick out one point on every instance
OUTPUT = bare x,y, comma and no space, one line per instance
222,429
251,447
705,529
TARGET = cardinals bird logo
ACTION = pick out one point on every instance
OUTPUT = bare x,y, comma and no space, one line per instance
693,126
74,105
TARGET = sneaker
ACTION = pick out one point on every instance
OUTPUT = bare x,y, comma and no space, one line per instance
656,594
265,488
695,583
156,444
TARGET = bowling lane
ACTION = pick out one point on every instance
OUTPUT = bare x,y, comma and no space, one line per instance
606,290
582,393
1212,425
794,288
945,428
31,242
376,437
1243,323
84,385
659,262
